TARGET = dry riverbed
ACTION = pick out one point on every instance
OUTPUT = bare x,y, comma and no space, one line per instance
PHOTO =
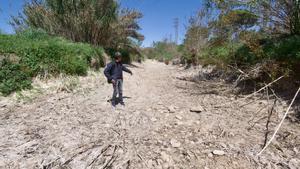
167,123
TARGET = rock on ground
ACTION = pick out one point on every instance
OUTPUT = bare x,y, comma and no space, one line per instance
197,109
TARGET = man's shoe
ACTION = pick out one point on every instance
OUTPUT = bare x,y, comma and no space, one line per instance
122,103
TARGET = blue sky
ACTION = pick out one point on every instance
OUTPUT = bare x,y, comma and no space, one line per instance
156,24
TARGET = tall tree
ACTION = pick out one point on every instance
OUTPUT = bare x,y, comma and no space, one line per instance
197,33
99,22
283,16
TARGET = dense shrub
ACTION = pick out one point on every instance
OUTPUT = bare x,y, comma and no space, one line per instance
13,77
97,22
244,55
54,58
220,55
40,54
33,34
285,49
162,51
253,51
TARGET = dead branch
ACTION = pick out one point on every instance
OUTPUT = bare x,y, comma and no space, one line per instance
254,123
268,122
112,159
141,158
52,164
237,82
102,152
78,153
239,70
281,122
266,86
258,111
250,102
253,94
277,97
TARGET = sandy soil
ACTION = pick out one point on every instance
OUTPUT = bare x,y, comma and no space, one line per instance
156,129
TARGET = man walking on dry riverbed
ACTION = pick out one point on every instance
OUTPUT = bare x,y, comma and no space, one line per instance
114,75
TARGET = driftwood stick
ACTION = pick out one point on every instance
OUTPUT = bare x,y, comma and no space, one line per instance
78,153
250,102
263,88
142,160
112,159
239,70
268,122
254,115
251,95
100,154
277,97
281,122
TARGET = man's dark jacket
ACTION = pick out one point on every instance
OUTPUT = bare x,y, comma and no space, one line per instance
114,71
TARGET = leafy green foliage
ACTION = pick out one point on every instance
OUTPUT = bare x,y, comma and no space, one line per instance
286,49
36,53
162,51
97,22
248,53
34,34
245,33
240,19
13,77
220,55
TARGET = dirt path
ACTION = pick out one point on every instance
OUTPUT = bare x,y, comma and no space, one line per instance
156,129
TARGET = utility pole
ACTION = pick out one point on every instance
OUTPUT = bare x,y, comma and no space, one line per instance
176,26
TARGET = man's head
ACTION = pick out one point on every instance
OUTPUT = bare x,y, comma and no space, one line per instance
118,57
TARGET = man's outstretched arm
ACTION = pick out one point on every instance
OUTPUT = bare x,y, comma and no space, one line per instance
125,69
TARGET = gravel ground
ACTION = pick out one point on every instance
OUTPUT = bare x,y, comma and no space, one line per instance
166,123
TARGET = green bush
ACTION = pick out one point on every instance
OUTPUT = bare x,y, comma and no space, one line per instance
54,57
285,49
41,54
73,66
33,34
244,56
13,77
163,51
220,55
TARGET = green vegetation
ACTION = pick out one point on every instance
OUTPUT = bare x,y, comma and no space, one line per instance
65,37
13,78
240,35
97,22
33,53
162,51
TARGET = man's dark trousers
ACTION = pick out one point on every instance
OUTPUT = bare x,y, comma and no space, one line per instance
118,90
